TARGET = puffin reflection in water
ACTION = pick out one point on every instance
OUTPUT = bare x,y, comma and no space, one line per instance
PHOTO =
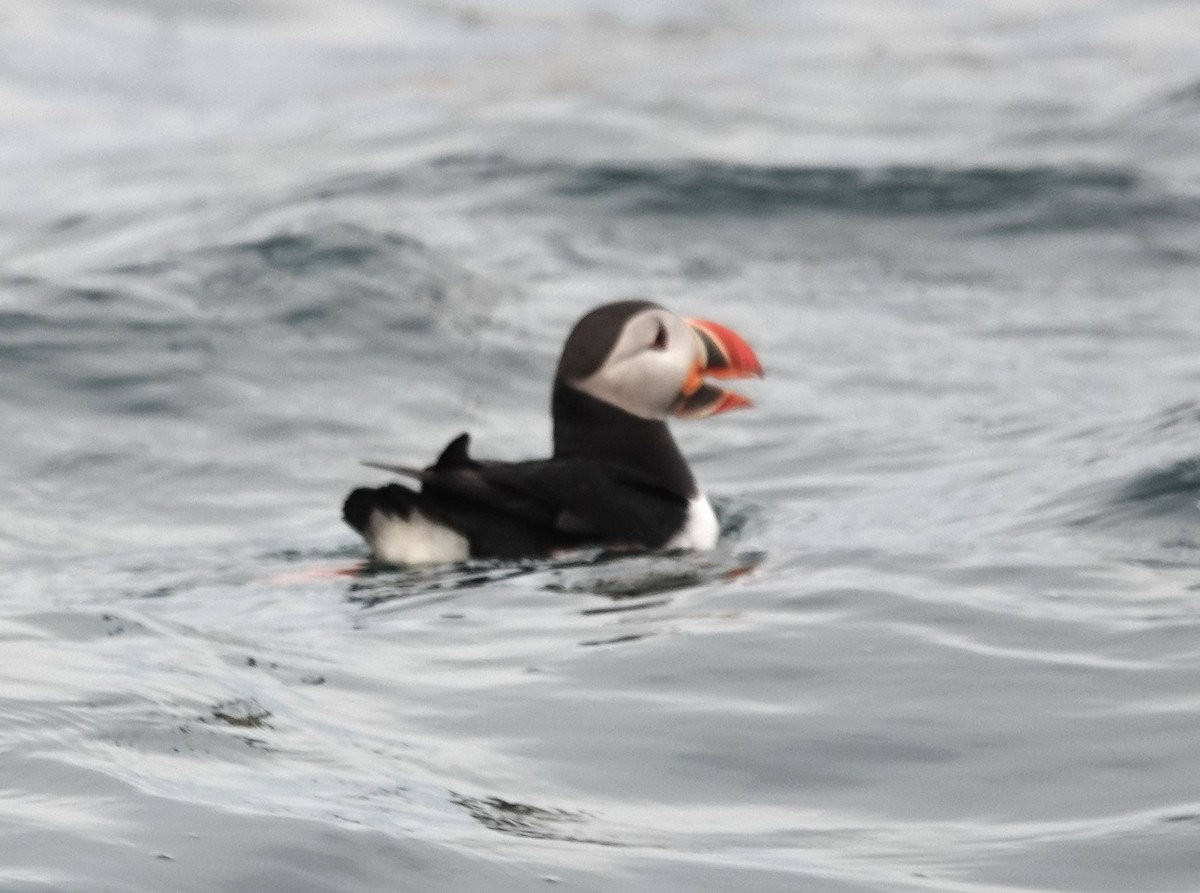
616,479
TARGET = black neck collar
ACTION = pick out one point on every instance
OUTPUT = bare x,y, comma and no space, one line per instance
587,428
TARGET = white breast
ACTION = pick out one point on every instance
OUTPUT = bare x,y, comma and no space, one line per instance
701,530
416,540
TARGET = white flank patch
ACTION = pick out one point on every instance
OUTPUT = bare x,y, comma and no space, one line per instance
701,530
415,541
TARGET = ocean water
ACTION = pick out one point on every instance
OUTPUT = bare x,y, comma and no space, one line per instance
951,638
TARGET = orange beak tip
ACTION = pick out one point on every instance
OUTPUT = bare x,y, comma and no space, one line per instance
735,401
729,356
722,354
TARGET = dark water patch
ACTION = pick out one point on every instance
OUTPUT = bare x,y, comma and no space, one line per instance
1149,519
1188,95
13,321
710,187
329,278
69,222
378,584
110,364
122,352
624,577
294,556
1160,500
96,295
736,517
1174,490
1182,414
105,299
616,640
703,188
1098,331
209,742
1169,114
627,582
1170,255
301,252
143,268
1190,818
1097,210
624,606
191,331
241,714
63,320
523,820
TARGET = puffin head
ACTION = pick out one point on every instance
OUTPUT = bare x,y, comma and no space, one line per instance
644,359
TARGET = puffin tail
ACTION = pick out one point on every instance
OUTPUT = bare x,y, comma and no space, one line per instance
395,500
390,520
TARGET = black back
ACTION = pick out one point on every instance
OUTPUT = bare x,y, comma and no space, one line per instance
587,428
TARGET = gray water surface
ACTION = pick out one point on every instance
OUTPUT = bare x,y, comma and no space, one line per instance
950,639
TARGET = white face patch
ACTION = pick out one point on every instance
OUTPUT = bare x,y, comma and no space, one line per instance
648,366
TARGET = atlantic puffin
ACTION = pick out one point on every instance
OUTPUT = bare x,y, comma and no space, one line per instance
616,478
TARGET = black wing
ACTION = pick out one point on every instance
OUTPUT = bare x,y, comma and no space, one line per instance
527,507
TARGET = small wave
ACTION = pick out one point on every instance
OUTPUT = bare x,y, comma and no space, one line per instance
1158,502
616,575
1173,490
162,337
332,274
1159,505
1150,519
896,190
1084,195
384,584
649,574
524,820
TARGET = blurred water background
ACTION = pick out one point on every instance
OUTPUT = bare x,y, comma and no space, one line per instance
950,641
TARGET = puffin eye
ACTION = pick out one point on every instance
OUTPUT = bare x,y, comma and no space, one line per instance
660,339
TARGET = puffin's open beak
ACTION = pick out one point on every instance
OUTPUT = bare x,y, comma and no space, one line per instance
720,353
